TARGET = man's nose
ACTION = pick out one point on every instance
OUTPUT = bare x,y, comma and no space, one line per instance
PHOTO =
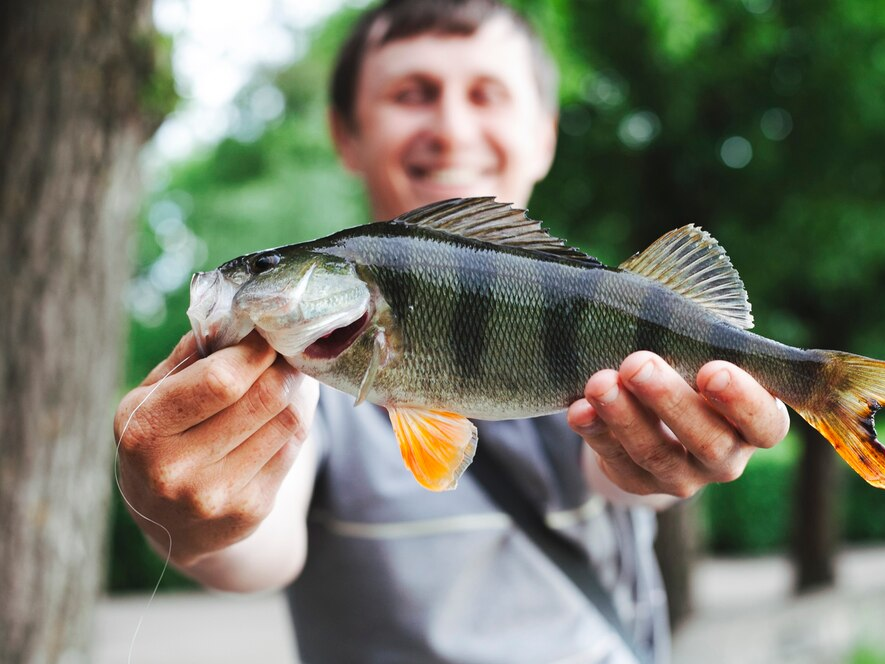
456,122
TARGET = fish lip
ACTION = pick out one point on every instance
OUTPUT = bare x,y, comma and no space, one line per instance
211,313
199,311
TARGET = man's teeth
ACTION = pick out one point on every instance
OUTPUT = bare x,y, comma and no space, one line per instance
454,176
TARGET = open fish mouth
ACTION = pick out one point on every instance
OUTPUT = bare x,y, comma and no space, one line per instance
334,343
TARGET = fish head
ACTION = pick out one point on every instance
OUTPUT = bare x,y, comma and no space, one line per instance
292,296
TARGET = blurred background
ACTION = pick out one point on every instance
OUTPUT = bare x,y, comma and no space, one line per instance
761,120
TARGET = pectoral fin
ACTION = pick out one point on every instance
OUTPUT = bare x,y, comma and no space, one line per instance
436,446
379,359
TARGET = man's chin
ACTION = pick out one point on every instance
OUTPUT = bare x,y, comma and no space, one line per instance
424,192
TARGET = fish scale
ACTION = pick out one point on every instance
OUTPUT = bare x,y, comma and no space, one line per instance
429,291
468,308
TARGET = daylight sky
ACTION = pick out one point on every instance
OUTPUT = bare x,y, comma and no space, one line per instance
217,45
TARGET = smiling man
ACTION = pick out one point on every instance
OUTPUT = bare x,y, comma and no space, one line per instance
440,116
434,99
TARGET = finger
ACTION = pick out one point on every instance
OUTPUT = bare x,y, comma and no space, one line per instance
708,437
205,388
636,453
276,443
582,418
266,399
761,419
186,348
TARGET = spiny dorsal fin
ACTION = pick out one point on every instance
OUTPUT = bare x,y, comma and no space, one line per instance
490,221
688,260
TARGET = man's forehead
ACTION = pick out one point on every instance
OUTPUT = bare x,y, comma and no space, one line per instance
497,48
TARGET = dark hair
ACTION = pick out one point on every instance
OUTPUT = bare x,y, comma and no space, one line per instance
398,19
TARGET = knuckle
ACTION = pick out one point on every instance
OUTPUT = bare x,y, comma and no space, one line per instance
671,402
165,481
142,429
252,508
714,449
289,425
658,459
731,468
222,382
728,472
121,417
269,394
133,425
683,490
203,504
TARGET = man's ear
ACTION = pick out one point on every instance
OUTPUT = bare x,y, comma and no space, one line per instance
344,139
548,125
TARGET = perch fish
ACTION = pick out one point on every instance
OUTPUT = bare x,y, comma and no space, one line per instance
469,309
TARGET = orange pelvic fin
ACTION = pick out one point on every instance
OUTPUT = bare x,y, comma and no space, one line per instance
436,446
857,391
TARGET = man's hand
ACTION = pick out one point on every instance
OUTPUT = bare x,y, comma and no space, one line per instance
206,453
654,434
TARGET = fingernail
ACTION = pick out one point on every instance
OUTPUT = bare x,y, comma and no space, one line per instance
595,428
719,381
609,396
644,373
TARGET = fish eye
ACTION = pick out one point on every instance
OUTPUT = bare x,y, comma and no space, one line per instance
264,262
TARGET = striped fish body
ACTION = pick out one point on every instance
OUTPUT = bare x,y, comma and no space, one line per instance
497,332
467,308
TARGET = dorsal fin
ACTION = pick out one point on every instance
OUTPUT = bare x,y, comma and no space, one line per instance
490,221
688,260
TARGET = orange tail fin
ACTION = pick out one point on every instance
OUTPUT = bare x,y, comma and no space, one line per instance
846,417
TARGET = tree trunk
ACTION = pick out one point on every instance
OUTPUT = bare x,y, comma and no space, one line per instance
675,547
815,536
70,131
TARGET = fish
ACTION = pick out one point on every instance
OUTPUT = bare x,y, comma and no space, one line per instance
469,309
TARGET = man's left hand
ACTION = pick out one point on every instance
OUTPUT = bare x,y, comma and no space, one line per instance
653,433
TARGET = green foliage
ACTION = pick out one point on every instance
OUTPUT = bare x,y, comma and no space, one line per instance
867,654
157,95
863,511
753,515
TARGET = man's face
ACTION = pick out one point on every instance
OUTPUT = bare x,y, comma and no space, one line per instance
448,116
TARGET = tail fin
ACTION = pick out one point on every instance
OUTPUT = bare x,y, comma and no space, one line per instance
846,415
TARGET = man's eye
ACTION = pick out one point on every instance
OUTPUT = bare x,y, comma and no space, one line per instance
488,94
413,95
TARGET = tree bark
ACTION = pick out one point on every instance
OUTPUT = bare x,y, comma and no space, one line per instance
816,535
70,131
676,547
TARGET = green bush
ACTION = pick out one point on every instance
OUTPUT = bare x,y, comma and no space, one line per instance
752,515
862,510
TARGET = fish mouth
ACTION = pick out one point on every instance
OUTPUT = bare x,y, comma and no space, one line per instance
331,345
211,314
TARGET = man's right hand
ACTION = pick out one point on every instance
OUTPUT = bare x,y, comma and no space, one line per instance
206,453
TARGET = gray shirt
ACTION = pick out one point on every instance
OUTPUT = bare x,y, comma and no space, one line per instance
396,573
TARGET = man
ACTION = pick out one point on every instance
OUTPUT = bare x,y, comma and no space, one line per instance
432,99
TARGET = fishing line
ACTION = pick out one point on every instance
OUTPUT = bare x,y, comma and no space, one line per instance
136,511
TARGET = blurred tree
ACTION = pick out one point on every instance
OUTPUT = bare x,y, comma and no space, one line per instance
76,85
